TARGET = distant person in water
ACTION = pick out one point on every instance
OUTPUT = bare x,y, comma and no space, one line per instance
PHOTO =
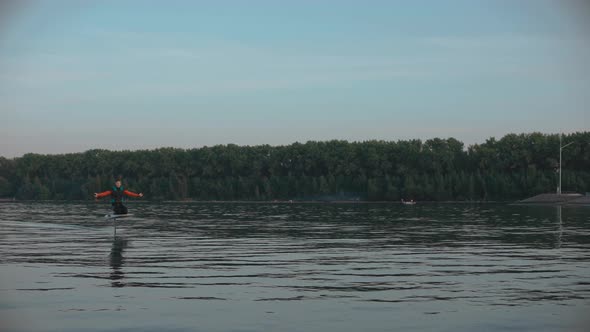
117,194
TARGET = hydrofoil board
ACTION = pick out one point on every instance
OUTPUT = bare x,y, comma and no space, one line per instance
117,216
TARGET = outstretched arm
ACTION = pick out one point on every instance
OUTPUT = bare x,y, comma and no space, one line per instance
102,194
132,194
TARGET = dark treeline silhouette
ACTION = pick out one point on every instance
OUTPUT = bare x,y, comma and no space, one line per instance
513,167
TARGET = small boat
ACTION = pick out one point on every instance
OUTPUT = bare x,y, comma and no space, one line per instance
410,202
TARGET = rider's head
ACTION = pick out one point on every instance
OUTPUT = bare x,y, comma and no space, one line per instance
118,183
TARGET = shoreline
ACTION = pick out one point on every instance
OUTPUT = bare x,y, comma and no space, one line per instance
569,199
581,201
274,202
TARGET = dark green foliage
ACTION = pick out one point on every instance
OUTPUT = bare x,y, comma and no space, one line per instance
513,167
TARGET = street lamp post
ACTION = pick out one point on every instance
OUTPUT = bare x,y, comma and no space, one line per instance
561,147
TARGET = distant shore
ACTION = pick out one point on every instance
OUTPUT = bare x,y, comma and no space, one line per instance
578,200
557,199
279,201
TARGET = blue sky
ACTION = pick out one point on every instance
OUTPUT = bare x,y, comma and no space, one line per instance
76,75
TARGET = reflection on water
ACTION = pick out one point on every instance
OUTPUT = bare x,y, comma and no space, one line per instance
116,261
560,223
342,266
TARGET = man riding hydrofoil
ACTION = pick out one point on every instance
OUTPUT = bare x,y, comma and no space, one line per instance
118,194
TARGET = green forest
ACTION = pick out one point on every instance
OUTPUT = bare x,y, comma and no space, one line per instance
513,167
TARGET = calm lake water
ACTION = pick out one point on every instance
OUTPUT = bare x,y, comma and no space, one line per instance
294,267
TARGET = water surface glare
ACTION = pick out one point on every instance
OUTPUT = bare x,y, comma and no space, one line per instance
294,267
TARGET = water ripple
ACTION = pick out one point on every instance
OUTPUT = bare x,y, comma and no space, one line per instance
297,253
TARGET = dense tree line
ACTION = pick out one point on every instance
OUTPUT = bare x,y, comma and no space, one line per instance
514,167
